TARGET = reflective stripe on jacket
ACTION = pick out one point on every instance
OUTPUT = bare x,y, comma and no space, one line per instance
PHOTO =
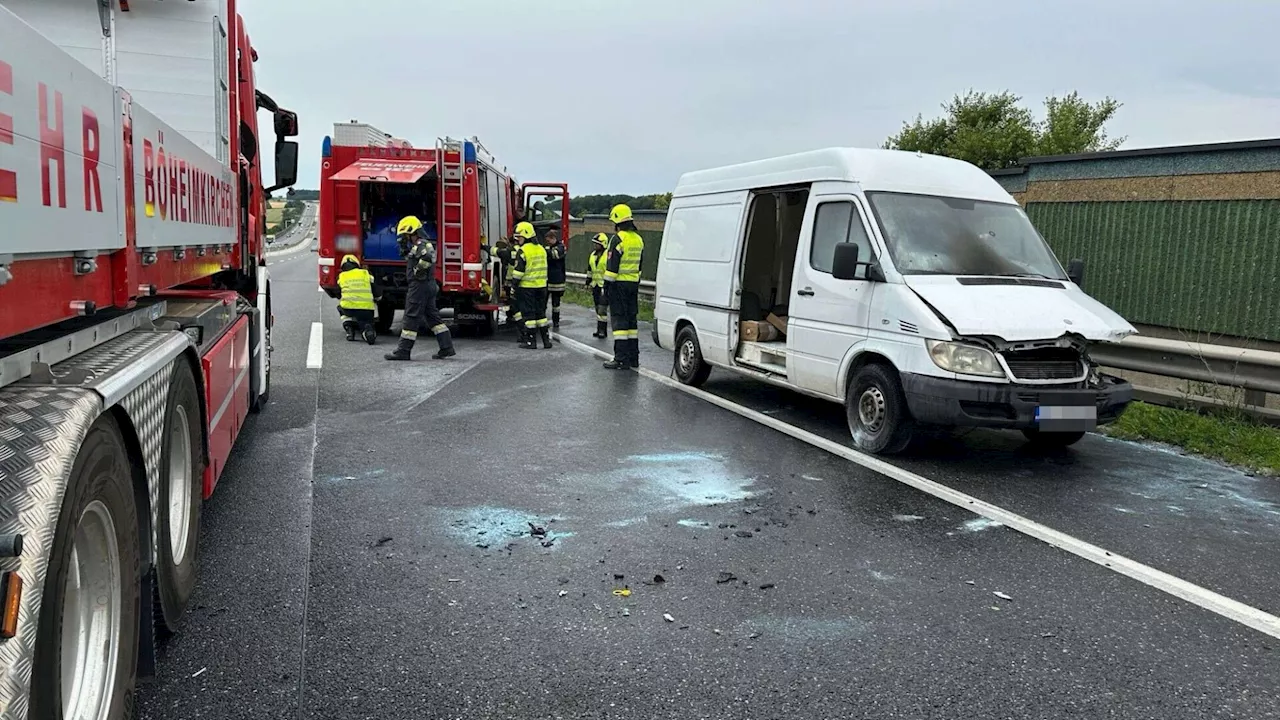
356,286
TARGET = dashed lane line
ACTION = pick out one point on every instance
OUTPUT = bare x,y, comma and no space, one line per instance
315,346
1246,615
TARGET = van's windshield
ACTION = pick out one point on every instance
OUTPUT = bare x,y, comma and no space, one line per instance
928,235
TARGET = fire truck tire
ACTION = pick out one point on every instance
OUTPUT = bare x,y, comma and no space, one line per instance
489,326
179,500
90,603
386,315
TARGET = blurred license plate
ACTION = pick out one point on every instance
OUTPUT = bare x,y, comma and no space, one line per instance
1066,417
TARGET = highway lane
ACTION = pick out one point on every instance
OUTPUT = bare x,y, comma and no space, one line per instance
367,555
1208,523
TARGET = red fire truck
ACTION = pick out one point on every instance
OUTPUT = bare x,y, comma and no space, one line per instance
466,201
135,320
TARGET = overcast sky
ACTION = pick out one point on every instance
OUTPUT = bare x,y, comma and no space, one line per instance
621,96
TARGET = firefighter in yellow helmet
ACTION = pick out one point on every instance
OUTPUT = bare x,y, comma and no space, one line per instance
622,277
596,263
530,277
420,312
358,294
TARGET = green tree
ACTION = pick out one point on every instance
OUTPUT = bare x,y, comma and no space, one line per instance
662,201
994,131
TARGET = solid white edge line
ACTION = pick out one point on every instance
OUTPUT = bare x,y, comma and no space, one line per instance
315,346
1246,615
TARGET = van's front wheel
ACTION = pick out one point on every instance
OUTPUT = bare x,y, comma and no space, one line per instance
691,369
876,409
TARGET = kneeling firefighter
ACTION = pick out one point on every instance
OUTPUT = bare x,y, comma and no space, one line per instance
530,277
357,299
420,312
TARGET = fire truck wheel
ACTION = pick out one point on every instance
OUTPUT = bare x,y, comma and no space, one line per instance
386,314
179,499
489,326
88,629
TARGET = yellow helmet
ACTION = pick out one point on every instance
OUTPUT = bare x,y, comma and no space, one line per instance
408,225
348,258
619,214
525,230
601,239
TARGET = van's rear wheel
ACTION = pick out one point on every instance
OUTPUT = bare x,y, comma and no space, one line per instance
876,409
691,369
86,647
180,498
1042,439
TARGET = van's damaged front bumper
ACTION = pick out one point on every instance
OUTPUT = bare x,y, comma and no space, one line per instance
1082,406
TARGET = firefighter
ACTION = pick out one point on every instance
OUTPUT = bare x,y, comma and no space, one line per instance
530,275
420,311
357,299
509,284
599,295
555,273
622,274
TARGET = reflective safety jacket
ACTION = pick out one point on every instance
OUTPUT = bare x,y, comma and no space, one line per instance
596,264
420,259
530,270
626,249
356,288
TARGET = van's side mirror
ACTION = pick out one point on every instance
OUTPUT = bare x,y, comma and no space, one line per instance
286,164
1075,272
844,266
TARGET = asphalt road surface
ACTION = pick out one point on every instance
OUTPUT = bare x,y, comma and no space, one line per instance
369,554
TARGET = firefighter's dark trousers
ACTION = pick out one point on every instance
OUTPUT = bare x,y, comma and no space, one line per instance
624,306
601,300
556,292
356,321
532,303
421,315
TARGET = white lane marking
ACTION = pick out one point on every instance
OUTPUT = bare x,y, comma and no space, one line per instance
315,346
1246,615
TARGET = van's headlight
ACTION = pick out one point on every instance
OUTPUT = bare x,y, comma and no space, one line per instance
964,359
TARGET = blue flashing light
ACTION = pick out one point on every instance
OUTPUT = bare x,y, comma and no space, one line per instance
468,152
326,147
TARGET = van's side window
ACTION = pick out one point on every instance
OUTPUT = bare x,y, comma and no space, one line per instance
837,222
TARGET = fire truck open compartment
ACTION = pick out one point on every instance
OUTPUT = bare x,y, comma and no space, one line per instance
383,204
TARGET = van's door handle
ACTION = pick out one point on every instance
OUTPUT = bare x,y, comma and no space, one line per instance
806,291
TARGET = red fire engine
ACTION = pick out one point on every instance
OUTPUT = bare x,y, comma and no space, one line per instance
134,331
466,201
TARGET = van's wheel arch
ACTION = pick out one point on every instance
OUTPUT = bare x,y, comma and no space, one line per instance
97,529
691,368
876,409
179,499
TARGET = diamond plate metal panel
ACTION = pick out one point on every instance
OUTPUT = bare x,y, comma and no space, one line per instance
145,407
41,429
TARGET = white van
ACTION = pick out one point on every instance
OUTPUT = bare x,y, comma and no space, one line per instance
910,287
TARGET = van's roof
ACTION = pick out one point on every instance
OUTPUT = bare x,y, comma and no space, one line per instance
884,170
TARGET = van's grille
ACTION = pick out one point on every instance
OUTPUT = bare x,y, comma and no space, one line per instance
1045,364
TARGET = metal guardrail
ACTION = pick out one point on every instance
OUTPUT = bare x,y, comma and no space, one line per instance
1256,372
648,288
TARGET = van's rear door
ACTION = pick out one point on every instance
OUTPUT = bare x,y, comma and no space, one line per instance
698,272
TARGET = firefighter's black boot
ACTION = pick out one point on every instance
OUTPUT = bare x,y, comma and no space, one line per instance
615,364
555,320
370,335
351,331
528,338
445,341
602,329
545,332
402,350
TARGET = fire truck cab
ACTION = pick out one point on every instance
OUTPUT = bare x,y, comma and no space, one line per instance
467,202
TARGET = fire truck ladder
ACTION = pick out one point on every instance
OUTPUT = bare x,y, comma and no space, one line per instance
449,154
